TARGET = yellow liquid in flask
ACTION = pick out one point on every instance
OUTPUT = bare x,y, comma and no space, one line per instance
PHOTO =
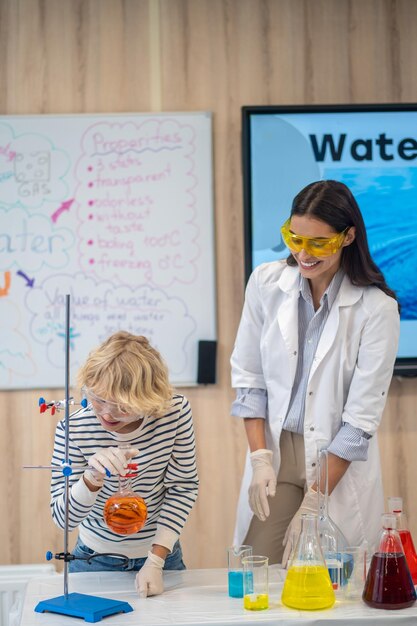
308,587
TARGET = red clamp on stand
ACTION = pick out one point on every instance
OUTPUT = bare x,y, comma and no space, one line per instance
134,473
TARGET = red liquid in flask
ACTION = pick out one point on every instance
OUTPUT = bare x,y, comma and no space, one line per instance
410,553
388,584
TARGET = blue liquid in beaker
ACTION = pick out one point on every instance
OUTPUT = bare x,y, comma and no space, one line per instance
340,568
236,583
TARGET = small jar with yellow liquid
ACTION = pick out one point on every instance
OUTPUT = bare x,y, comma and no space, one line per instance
255,583
308,585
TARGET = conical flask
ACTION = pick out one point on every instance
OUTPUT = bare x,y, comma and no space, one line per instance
307,585
388,583
395,505
332,540
125,513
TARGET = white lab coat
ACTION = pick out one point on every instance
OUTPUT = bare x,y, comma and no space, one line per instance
348,381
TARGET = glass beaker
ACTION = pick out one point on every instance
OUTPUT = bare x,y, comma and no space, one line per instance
332,540
354,571
307,585
125,513
235,554
388,583
255,583
395,505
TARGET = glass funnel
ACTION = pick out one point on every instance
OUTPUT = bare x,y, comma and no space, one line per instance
307,585
395,505
125,513
388,583
332,540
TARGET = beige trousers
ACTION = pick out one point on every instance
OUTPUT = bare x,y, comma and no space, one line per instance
266,537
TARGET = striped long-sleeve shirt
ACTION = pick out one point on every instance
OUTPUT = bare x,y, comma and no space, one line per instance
167,479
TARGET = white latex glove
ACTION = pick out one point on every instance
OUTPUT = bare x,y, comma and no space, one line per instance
309,505
149,581
263,482
112,459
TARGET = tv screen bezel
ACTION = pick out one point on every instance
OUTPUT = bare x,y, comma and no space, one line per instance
404,366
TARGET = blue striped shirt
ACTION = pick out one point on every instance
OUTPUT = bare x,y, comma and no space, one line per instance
167,479
350,443
310,327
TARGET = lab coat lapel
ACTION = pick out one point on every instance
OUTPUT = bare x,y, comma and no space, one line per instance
327,338
347,296
288,316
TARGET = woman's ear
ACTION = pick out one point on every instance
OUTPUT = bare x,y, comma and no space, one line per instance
350,236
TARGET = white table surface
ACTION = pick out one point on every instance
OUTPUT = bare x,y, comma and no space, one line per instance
194,597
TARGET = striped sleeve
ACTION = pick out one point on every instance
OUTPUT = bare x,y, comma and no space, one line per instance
81,500
350,443
250,402
181,482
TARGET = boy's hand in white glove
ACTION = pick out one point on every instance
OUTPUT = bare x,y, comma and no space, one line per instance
112,459
149,581
263,482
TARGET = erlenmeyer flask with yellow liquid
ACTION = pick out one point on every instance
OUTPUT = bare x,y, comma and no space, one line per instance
125,513
308,585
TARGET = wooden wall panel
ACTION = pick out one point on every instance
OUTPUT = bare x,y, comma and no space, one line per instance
81,56
75,56
398,443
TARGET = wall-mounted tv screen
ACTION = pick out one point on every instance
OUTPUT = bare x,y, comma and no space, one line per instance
370,148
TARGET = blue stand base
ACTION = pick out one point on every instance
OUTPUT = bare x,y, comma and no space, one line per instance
91,608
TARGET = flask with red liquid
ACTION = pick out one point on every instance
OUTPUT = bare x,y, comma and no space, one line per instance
395,505
388,583
125,513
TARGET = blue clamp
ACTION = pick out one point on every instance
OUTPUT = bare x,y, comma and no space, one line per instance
84,403
49,555
66,468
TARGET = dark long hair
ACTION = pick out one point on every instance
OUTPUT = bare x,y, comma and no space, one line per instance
333,203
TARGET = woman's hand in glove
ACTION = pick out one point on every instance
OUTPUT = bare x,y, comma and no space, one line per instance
263,483
309,505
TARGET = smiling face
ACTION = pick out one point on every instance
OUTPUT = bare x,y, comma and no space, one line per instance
315,268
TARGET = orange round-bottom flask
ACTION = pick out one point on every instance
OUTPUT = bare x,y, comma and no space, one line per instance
125,513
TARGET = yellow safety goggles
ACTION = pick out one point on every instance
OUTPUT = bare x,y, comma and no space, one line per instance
315,246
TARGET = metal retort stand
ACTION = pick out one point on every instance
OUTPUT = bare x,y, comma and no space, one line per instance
90,608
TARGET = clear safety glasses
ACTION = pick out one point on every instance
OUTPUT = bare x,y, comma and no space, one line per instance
105,407
315,246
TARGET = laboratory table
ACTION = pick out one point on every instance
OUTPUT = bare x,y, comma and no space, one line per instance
194,597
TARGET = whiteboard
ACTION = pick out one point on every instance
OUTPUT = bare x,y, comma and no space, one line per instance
117,211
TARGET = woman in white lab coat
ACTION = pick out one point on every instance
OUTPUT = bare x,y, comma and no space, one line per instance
313,359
